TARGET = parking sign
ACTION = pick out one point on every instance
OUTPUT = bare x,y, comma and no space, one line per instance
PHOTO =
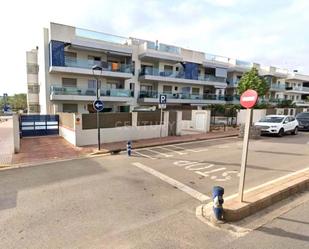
162,99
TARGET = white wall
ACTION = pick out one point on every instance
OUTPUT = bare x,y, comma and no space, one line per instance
191,124
257,115
68,134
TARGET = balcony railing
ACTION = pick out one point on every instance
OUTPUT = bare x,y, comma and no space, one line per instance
179,75
155,94
277,87
162,47
88,64
101,36
91,92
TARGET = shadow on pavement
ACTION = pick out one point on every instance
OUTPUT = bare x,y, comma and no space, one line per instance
297,221
282,233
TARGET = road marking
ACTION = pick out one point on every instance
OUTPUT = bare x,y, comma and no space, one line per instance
190,191
143,155
175,151
157,152
269,182
190,150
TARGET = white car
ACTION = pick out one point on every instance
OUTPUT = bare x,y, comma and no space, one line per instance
278,124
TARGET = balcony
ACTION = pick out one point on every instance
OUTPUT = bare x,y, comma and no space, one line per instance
159,51
297,89
154,74
83,66
277,87
216,60
86,94
181,98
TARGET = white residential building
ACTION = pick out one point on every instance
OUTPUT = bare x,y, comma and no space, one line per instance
135,72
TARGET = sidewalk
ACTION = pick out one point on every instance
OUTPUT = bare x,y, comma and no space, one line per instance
52,148
119,146
6,142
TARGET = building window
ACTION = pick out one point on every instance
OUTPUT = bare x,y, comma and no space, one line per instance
146,88
33,89
69,82
92,84
167,89
72,108
168,70
195,91
32,68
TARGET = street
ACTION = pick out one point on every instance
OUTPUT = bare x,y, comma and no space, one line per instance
147,200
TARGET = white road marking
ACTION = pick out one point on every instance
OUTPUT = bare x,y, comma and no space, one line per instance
190,150
175,151
143,155
190,191
160,153
268,183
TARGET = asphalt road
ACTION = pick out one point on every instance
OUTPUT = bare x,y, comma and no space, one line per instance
147,200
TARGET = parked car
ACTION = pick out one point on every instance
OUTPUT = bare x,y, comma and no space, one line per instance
303,120
278,124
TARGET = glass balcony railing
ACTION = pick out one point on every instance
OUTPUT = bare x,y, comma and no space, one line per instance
244,63
179,75
88,64
277,87
163,47
101,36
155,94
91,92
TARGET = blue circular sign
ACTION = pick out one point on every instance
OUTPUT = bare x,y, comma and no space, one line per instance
98,105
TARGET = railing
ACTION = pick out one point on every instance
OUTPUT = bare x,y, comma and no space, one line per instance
101,36
155,94
163,47
88,64
91,92
217,58
277,87
179,75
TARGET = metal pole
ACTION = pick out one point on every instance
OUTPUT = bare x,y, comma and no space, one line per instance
161,122
244,156
98,116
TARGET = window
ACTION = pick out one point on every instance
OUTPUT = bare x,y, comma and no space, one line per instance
94,58
72,108
33,89
32,68
297,97
69,82
167,89
111,85
70,55
168,70
195,91
146,88
92,84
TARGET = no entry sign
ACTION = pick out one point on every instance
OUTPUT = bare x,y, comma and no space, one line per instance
248,99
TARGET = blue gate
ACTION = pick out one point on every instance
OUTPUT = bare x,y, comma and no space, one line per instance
39,125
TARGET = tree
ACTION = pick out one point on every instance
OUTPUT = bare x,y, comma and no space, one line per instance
16,102
252,80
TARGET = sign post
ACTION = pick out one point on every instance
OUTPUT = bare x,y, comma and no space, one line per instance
248,99
162,105
98,106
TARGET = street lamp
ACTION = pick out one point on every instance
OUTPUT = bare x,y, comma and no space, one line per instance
96,76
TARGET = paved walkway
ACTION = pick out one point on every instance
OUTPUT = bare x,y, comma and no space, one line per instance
37,149
49,148
6,141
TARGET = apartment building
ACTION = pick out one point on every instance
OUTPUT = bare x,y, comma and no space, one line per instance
33,105
134,72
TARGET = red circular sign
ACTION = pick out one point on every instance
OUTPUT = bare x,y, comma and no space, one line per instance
249,98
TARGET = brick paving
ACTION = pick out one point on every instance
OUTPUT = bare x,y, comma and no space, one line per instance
46,148
6,141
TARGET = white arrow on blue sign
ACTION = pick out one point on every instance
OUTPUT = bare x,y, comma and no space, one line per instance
98,105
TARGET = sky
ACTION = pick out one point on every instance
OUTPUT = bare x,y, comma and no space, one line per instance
270,32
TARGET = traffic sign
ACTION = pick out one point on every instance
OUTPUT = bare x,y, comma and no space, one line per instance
248,99
162,99
98,105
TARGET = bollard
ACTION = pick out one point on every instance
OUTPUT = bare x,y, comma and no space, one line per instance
129,148
217,196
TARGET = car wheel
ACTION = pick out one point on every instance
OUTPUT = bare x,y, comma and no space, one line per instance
295,131
281,132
